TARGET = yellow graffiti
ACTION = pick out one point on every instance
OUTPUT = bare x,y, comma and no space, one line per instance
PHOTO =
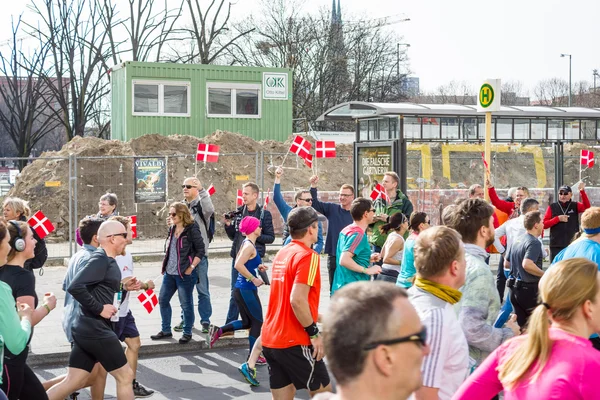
538,157
425,160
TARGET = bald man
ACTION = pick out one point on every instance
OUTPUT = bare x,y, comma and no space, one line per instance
96,287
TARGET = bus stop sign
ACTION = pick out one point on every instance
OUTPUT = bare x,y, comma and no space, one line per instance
489,96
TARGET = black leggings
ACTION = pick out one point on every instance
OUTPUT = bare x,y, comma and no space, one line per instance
251,312
19,382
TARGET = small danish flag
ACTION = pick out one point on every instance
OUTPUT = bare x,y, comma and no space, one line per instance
148,299
41,224
267,198
587,158
207,152
308,160
379,191
300,147
485,164
211,190
239,200
133,224
325,149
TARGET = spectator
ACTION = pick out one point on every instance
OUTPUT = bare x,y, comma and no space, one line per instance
393,248
554,360
338,217
250,208
476,192
419,221
107,207
302,198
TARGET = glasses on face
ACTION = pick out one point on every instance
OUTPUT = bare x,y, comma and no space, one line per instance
563,193
345,195
173,214
187,186
372,210
428,222
309,200
123,235
419,338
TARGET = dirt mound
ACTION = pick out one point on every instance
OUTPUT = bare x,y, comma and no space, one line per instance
107,166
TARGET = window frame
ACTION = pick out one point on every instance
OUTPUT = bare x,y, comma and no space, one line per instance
233,86
161,97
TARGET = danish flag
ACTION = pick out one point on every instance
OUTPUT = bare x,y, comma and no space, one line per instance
379,191
308,160
133,219
239,200
207,152
41,224
485,164
300,147
587,158
211,190
325,149
148,299
267,198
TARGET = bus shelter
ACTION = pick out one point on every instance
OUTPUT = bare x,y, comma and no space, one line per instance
383,130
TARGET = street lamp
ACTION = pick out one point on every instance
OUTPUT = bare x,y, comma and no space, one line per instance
568,55
595,74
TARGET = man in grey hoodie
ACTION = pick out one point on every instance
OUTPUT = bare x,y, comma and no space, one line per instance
479,305
198,201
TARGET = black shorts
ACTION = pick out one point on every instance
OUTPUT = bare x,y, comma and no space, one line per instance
125,327
295,365
107,351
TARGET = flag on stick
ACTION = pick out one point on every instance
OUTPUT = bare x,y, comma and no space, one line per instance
379,191
300,146
485,164
211,190
207,152
239,200
587,158
308,160
267,198
148,299
41,224
133,219
325,149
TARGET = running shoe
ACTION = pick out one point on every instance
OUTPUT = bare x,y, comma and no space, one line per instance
249,374
214,333
205,327
261,361
140,392
179,328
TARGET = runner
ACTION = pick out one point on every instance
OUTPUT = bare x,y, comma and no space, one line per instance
96,288
393,248
291,341
245,292
353,254
125,327
419,221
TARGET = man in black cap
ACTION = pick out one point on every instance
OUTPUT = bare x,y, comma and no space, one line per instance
562,218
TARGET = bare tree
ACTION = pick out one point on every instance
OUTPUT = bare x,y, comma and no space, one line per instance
455,92
26,113
78,54
552,92
513,94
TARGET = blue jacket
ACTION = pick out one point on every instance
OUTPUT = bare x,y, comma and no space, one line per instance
284,210
337,217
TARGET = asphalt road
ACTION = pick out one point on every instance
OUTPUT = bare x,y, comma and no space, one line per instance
210,375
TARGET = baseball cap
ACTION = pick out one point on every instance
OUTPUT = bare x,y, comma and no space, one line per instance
565,188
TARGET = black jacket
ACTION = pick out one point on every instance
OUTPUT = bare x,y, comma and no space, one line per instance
266,222
40,252
189,245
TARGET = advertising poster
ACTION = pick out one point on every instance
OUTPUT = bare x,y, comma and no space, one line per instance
372,163
150,179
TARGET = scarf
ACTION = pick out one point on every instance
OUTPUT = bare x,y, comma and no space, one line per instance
446,293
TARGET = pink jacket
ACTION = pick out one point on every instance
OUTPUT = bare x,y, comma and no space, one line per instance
571,372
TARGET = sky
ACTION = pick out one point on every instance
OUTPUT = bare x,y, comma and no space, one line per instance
467,40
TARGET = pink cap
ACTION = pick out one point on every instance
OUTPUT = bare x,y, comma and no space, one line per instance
249,225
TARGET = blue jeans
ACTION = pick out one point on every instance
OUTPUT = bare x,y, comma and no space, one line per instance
185,289
506,309
233,312
204,306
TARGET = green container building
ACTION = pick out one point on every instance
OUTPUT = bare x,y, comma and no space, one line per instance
198,99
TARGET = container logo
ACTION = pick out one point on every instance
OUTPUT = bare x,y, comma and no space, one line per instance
275,86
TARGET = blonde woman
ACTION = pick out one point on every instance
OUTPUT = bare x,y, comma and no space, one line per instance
16,209
555,360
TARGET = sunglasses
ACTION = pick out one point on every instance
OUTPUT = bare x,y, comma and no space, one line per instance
123,235
419,338
309,200
187,186
173,214
563,193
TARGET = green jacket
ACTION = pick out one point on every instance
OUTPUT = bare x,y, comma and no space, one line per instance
401,204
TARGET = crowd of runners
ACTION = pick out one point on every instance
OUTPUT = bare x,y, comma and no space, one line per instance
434,321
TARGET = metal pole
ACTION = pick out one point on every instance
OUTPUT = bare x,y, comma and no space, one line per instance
71,225
75,189
487,149
398,61
570,80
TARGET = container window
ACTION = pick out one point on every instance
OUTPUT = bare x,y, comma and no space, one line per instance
175,99
219,101
246,102
145,98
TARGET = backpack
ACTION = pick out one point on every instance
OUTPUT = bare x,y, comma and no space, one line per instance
210,225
